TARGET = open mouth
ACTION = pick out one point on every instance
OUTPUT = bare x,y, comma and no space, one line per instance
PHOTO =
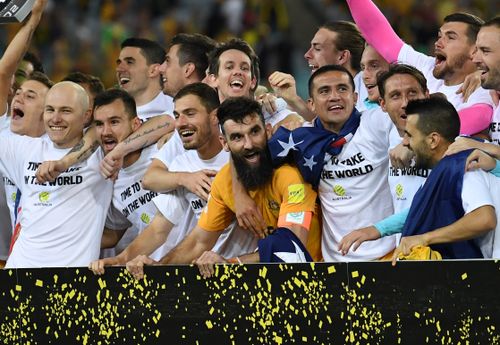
109,144
236,84
440,58
313,67
17,113
124,80
252,157
186,133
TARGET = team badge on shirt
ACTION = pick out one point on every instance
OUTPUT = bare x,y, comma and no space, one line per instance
339,190
399,190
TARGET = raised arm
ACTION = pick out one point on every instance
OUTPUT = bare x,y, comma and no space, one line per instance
376,29
16,50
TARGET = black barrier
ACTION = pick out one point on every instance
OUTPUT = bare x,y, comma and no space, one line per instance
448,302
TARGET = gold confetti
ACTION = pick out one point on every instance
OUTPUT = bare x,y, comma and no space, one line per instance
464,276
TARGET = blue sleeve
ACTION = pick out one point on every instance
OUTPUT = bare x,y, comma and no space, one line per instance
496,170
392,224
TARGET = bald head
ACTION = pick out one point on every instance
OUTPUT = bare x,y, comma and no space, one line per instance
65,113
74,91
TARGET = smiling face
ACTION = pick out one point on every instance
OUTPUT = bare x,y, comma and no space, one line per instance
234,77
487,57
193,122
66,110
113,124
132,71
333,99
247,142
453,52
372,63
27,109
399,89
419,143
323,50
172,72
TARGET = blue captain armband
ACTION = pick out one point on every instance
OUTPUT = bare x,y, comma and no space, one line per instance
496,170
392,224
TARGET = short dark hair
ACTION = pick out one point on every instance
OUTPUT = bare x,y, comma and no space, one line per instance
492,22
111,95
348,38
151,50
95,84
473,22
41,78
236,109
207,95
329,68
237,44
35,61
400,68
194,48
435,114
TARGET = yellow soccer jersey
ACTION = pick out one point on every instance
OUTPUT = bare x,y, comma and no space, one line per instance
288,199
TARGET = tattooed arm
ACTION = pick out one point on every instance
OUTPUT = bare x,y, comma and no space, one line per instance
50,170
148,134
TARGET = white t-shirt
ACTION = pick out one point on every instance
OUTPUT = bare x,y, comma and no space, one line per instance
354,191
233,241
171,149
160,105
5,221
132,206
62,221
426,65
495,126
479,189
404,183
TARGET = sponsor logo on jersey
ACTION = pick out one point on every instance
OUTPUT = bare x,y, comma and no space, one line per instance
296,193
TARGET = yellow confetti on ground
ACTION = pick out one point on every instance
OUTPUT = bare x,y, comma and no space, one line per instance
331,269
19,288
209,324
355,274
263,272
39,283
102,283
417,315
464,276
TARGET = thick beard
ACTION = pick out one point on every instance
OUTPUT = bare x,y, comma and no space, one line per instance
449,70
250,176
493,81
423,162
